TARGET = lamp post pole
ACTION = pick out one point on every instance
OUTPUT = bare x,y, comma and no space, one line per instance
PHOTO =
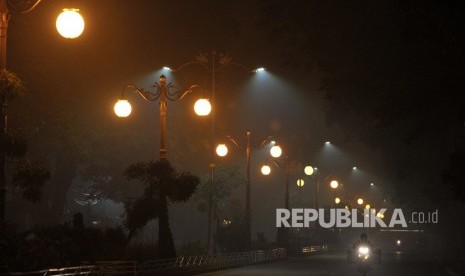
211,209
224,61
248,154
248,223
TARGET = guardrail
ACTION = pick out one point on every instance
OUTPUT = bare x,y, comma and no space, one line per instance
192,264
313,249
174,266
75,270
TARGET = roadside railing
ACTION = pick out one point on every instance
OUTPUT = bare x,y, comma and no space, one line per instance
174,266
76,270
313,249
192,264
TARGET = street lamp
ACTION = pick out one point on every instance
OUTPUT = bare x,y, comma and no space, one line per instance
276,151
282,237
337,200
7,7
122,108
212,66
70,23
202,107
158,91
334,184
313,171
360,201
222,150
266,169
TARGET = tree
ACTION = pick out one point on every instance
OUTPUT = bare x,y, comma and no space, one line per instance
226,180
162,184
208,196
28,176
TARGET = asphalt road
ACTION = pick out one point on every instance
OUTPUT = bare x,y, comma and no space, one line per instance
335,264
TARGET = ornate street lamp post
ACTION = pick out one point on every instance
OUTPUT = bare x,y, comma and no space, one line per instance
162,92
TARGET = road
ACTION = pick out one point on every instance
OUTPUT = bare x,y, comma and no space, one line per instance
335,264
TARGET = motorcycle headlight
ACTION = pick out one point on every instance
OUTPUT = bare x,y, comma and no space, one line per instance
363,250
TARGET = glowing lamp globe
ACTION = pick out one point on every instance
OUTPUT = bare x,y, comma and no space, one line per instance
70,23
276,151
122,108
300,182
337,200
202,107
308,170
266,170
221,150
334,184
368,206
360,201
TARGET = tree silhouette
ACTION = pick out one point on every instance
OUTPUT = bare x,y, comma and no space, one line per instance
28,176
162,185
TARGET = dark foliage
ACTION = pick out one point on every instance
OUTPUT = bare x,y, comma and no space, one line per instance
30,177
58,246
162,184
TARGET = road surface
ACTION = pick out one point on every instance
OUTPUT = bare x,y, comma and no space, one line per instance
335,264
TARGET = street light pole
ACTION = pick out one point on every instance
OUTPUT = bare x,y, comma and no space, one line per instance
224,62
222,151
248,215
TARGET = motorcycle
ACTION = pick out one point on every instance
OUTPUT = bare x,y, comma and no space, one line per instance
364,259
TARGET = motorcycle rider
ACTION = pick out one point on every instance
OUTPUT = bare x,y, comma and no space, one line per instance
363,241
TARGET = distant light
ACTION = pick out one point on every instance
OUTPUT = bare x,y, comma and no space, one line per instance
260,69
315,168
398,242
202,107
273,142
166,68
337,200
266,170
122,108
327,142
359,201
308,170
334,184
70,23
372,184
354,168
300,182
368,206
221,150
276,151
